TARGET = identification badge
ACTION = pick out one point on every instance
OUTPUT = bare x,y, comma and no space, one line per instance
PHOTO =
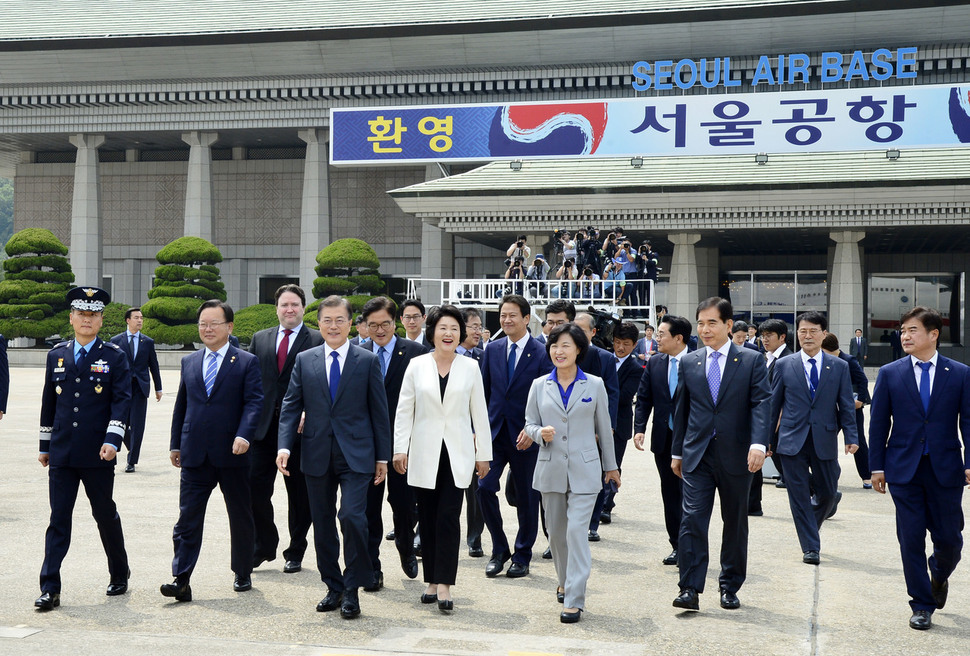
58,370
98,388
58,389
99,367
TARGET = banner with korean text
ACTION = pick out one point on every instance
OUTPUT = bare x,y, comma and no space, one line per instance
775,122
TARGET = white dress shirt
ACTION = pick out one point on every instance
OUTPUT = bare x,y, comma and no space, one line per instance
774,355
280,335
519,348
342,352
919,371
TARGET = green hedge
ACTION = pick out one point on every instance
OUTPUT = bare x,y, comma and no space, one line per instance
183,290
370,283
175,272
55,263
36,326
323,287
347,253
189,251
253,319
186,333
172,310
35,240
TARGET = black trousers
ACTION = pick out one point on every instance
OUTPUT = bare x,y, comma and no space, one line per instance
63,483
400,497
439,513
195,488
135,431
353,523
671,492
474,520
262,481
862,455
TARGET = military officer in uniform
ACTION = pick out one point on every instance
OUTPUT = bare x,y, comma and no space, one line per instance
87,394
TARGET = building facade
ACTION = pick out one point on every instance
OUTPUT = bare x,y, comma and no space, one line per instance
126,126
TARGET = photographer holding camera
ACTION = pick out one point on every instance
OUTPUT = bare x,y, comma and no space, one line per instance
518,250
516,271
568,247
567,271
589,249
613,274
646,261
610,246
589,284
626,258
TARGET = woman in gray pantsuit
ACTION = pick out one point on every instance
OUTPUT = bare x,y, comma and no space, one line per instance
568,416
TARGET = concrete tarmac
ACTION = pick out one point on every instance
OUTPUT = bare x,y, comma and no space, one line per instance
855,602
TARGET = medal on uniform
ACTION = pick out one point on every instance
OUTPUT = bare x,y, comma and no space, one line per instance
98,388
58,389
60,362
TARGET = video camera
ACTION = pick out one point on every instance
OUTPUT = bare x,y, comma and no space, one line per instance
605,323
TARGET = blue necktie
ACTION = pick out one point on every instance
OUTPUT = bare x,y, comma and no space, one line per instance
672,382
714,375
210,373
812,378
334,375
382,354
79,358
512,361
134,346
924,395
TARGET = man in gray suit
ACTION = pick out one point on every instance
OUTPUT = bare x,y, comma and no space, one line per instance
346,443
812,394
859,346
721,434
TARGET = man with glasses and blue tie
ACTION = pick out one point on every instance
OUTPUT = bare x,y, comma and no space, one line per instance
395,355
346,443
917,405
217,410
812,395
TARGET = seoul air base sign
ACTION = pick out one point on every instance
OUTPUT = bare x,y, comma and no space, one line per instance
844,118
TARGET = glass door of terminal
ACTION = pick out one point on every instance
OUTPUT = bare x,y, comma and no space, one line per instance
760,295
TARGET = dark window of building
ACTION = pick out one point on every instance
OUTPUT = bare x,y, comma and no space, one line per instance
269,284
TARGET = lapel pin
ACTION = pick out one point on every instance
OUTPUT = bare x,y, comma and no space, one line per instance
528,355
827,367
735,359
946,368
400,352
232,359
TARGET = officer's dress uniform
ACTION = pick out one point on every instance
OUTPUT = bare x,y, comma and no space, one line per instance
84,407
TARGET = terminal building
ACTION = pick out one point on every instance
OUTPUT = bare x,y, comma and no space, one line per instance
125,125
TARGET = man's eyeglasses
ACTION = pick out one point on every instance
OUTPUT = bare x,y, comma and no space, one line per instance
384,325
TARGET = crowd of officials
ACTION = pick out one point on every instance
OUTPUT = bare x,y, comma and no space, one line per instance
436,417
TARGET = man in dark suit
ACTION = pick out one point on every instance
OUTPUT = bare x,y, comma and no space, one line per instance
859,346
84,407
739,335
141,354
860,389
628,371
413,315
363,336
511,364
474,521
217,410
346,443
277,348
646,345
721,434
656,393
774,339
922,399
895,341
812,396
395,355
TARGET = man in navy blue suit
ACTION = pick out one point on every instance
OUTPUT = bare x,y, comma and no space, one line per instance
141,352
656,393
917,404
346,443
812,395
217,410
511,364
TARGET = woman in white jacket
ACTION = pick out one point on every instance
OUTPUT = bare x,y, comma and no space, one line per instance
442,399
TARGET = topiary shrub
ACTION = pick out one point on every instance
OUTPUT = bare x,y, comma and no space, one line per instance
186,278
37,276
252,319
349,268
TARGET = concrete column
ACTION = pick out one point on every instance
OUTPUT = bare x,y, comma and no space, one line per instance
132,154
846,286
198,187
437,250
235,275
315,218
684,291
85,253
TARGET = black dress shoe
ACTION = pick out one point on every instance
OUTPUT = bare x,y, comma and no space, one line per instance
687,599
429,599
292,566
671,559
409,563
48,601
940,589
547,554
330,602
390,536
756,513
116,588
780,483
593,536
570,618
242,583
811,558
376,584
835,506
446,605
350,608
729,600
606,517
476,552
921,620
129,469
517,571
560,595
182,591
496,564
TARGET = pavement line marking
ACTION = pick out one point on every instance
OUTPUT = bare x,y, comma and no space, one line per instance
813,624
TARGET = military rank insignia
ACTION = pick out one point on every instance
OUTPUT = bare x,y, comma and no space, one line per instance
58,389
